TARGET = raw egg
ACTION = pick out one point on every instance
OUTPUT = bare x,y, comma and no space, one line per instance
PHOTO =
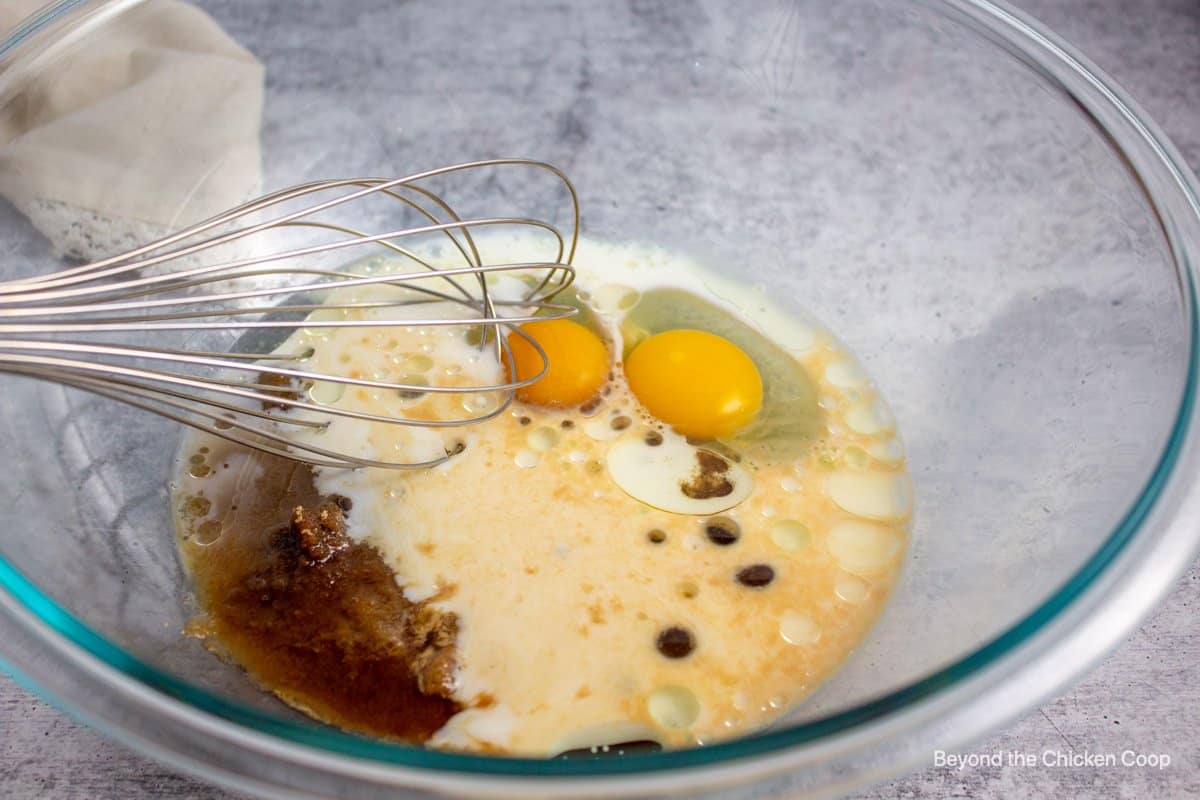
585,545
578,363
699,383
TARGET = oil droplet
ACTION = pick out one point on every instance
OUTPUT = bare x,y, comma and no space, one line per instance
475,335
889,452
207,532
801,339
855,457
527,459
613,297
798,629
673,707
845,374
480,404
869,417
324,315
197,506
600,429
851,589
326,393
790,535
542,439
862,547
874,495
412,379
200,470
790,485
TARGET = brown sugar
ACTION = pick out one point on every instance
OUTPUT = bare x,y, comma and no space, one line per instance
281,386
429,634
319,533
319,618
709,479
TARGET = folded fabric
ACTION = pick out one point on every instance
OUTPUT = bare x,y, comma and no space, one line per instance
146,125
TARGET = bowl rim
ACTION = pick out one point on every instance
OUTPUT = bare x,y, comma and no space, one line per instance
961,683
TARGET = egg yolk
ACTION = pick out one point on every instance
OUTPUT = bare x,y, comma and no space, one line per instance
699,383
578,363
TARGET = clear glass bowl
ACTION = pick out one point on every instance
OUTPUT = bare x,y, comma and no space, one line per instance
1004,238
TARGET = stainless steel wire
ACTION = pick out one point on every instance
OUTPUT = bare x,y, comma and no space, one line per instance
258,271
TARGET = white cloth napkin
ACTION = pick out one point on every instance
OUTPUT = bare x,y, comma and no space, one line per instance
138,129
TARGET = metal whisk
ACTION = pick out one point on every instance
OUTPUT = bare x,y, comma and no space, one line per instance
201,279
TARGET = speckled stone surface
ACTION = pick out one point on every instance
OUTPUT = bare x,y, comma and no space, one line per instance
1144,699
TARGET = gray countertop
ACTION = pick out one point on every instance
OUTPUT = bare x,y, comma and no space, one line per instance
1144,700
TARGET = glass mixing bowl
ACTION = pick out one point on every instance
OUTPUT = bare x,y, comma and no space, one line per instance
988,221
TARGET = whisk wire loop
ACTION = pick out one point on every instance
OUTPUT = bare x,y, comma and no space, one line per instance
254,275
